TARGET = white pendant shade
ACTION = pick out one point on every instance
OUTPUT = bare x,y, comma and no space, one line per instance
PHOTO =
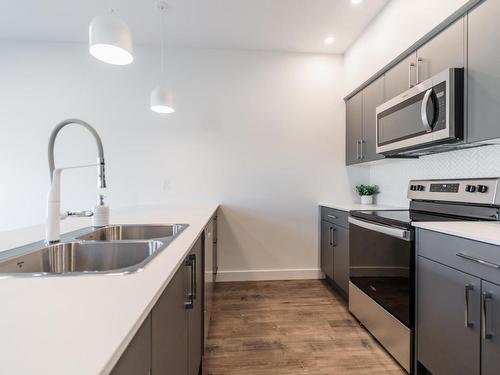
161,101
110,39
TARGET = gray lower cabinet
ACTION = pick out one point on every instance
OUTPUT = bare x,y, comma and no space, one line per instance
354,129
490,360
483,87
335,248
195,313
169,326
401,77
170,341
458,305
209,261
445,50
341,258
327,248
136,360
445,344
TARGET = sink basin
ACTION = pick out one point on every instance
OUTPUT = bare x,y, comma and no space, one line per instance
89,257
112,249
132,232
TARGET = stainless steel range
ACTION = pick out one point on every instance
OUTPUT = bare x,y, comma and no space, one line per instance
382,254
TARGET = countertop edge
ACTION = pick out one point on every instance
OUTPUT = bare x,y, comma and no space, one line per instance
348,207
438,227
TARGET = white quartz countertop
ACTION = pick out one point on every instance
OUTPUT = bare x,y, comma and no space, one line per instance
482,231
82,324
351,206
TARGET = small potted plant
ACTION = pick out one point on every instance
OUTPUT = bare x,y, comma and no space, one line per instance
367,192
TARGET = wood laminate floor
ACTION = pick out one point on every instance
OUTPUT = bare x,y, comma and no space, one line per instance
288,327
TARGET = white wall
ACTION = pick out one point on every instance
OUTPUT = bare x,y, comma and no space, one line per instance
262,133
400,24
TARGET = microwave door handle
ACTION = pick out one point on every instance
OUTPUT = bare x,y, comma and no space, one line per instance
390,231
423,111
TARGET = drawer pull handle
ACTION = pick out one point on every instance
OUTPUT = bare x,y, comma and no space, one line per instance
332,216
468,323
477,260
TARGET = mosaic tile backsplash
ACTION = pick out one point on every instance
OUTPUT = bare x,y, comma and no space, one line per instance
392,176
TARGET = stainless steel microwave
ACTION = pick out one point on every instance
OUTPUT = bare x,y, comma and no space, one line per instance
427,118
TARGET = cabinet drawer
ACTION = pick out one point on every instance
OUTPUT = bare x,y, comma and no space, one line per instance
452,251
335,216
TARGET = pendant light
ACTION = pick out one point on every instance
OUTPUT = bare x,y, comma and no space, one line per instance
161,100
110,39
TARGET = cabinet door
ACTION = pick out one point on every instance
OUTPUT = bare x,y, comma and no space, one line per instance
373,96
445,50
445,344
354,129
341,258
483,71
170,329
397,79
327,248
195,314
208,257
136,360
490,360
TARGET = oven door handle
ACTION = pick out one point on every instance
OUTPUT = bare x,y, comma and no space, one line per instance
390,231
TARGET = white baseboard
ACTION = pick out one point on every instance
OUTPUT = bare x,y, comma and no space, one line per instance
262,275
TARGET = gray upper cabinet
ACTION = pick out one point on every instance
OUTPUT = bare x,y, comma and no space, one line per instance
483,71
136,360
361,123
354,128
490,360
401,77
169,326
446,299
445,50
373,96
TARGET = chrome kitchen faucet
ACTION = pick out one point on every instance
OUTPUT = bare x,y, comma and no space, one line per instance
54,214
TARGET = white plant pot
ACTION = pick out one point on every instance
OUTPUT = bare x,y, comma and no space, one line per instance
367,199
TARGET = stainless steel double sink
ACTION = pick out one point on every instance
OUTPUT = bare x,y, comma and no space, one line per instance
117,249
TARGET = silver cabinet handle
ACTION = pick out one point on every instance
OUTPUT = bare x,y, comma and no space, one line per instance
467,323
423,111
361,142
390,231
419,63
190,262
484,323
477,260
332,216
357,150
410,75
330,239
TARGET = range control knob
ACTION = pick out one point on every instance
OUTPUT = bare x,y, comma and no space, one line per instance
420,187
413,187
470,188
482,188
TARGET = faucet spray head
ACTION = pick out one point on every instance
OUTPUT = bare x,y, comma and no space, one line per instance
101,173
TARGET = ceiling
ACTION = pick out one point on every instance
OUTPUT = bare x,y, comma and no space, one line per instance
284,25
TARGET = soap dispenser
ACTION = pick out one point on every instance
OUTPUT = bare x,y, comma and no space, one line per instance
101,213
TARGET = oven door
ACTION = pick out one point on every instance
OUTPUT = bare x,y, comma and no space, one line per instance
423,115
382,266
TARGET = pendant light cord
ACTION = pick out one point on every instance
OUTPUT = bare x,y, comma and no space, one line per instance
163,47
